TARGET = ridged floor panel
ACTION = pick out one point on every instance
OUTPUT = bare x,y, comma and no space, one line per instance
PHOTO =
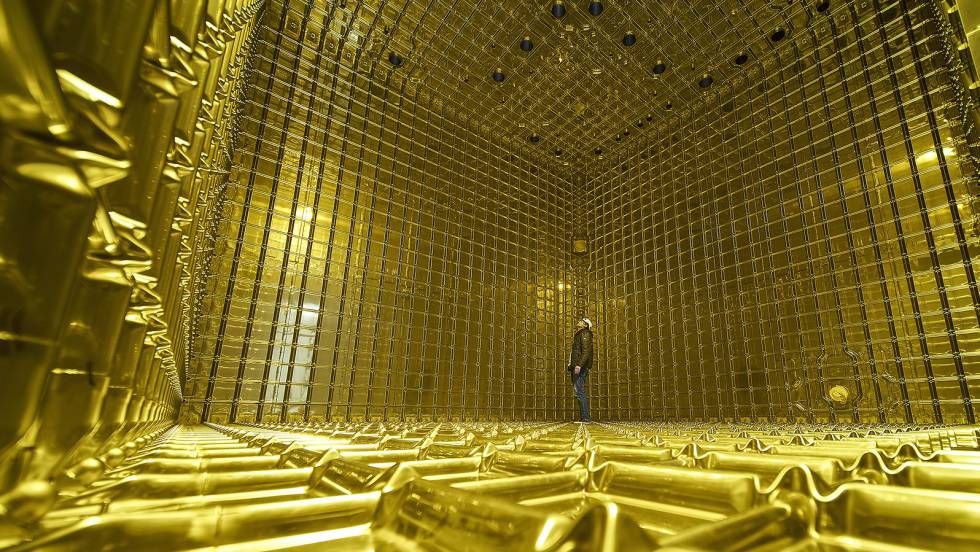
525,486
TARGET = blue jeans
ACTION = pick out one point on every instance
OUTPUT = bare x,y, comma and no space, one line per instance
578,384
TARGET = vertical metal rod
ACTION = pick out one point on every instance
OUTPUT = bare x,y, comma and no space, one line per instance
239,243
329,117
886,171
745,203
774,281
937,142
369,231
311,232
270,216
851,242
379,298
341,173
402,276
798,178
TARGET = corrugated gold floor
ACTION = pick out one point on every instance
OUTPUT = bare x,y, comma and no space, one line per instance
524,486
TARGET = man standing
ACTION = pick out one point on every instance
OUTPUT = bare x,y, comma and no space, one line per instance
580,362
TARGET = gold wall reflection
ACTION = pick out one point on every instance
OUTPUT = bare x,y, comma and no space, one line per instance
375,257
813,228
115,128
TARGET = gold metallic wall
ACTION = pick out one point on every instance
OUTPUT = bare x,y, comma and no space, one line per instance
812,225
115,127
377,256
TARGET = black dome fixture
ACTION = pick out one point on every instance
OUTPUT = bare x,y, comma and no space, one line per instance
558,9
598,151
557,152
705,81
659,68
649,118
394,59
668,106
617,138
778,34
822,5
742,59
534,138
639,124
629,38
526,44
595,8
499,75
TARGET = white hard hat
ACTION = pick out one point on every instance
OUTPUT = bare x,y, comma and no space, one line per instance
587,322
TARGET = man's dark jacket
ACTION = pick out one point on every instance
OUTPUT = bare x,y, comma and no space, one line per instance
582,351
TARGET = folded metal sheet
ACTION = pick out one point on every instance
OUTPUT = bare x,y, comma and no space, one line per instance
752,500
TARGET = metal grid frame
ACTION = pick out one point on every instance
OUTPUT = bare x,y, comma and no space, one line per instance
808,228
800,227
452,47
375,257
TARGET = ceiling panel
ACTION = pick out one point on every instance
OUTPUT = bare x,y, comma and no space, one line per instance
580,88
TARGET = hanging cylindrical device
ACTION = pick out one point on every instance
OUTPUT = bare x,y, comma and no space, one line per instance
558,9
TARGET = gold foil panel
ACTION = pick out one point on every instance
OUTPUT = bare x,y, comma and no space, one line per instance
101,200
640,486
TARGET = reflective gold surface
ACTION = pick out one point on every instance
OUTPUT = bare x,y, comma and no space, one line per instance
530,486
352,237
377,256
810,228
115,125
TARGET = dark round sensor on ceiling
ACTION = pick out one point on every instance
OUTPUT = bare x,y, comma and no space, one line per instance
629,38
526,44
558,9
534,138
668,106
659,68
598,151
823,5
558,152
778,34
639,124
499,75
617,138
394,59
595,8
705,81
742,59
